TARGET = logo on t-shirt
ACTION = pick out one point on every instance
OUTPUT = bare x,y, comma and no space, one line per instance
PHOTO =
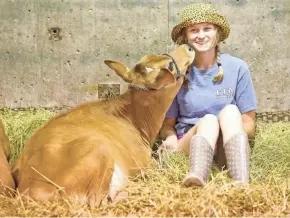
225,93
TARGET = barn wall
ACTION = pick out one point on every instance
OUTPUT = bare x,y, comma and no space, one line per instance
52,52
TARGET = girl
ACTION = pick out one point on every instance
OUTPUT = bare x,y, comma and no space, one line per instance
214,111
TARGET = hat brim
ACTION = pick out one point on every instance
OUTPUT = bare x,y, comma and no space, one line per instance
219,21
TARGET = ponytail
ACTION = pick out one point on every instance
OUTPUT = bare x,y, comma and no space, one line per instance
220,74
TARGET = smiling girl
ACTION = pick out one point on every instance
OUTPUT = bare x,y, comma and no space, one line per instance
214,112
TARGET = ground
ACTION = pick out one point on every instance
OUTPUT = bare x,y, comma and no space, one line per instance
158,191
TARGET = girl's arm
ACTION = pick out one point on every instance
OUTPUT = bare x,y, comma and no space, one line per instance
168,134
249,122
167,128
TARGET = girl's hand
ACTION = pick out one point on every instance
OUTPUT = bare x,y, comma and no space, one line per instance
170,144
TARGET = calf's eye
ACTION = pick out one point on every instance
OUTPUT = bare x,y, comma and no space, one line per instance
170,67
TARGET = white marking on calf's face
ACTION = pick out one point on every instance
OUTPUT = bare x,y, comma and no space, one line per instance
148,69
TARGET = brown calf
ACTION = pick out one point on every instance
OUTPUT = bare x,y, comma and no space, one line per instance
6,181
91,150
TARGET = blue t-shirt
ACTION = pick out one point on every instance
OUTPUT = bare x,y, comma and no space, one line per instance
203,96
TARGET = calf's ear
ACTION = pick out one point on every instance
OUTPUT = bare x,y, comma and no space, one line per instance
121,70
164,77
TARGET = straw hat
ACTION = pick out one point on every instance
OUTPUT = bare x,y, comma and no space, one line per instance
201,13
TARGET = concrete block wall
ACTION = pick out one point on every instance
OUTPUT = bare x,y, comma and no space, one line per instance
52,51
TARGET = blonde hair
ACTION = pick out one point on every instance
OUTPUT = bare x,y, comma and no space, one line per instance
182,40
220,74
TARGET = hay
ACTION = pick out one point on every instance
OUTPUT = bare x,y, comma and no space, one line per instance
19,126
158,191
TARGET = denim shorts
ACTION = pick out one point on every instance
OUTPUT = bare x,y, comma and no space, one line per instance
186,129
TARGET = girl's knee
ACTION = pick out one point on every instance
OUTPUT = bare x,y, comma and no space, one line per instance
209,123
229,110
210,118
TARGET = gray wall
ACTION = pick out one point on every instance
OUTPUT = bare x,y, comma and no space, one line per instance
52,51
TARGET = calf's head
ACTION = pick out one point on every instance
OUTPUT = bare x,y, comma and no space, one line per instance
155,71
